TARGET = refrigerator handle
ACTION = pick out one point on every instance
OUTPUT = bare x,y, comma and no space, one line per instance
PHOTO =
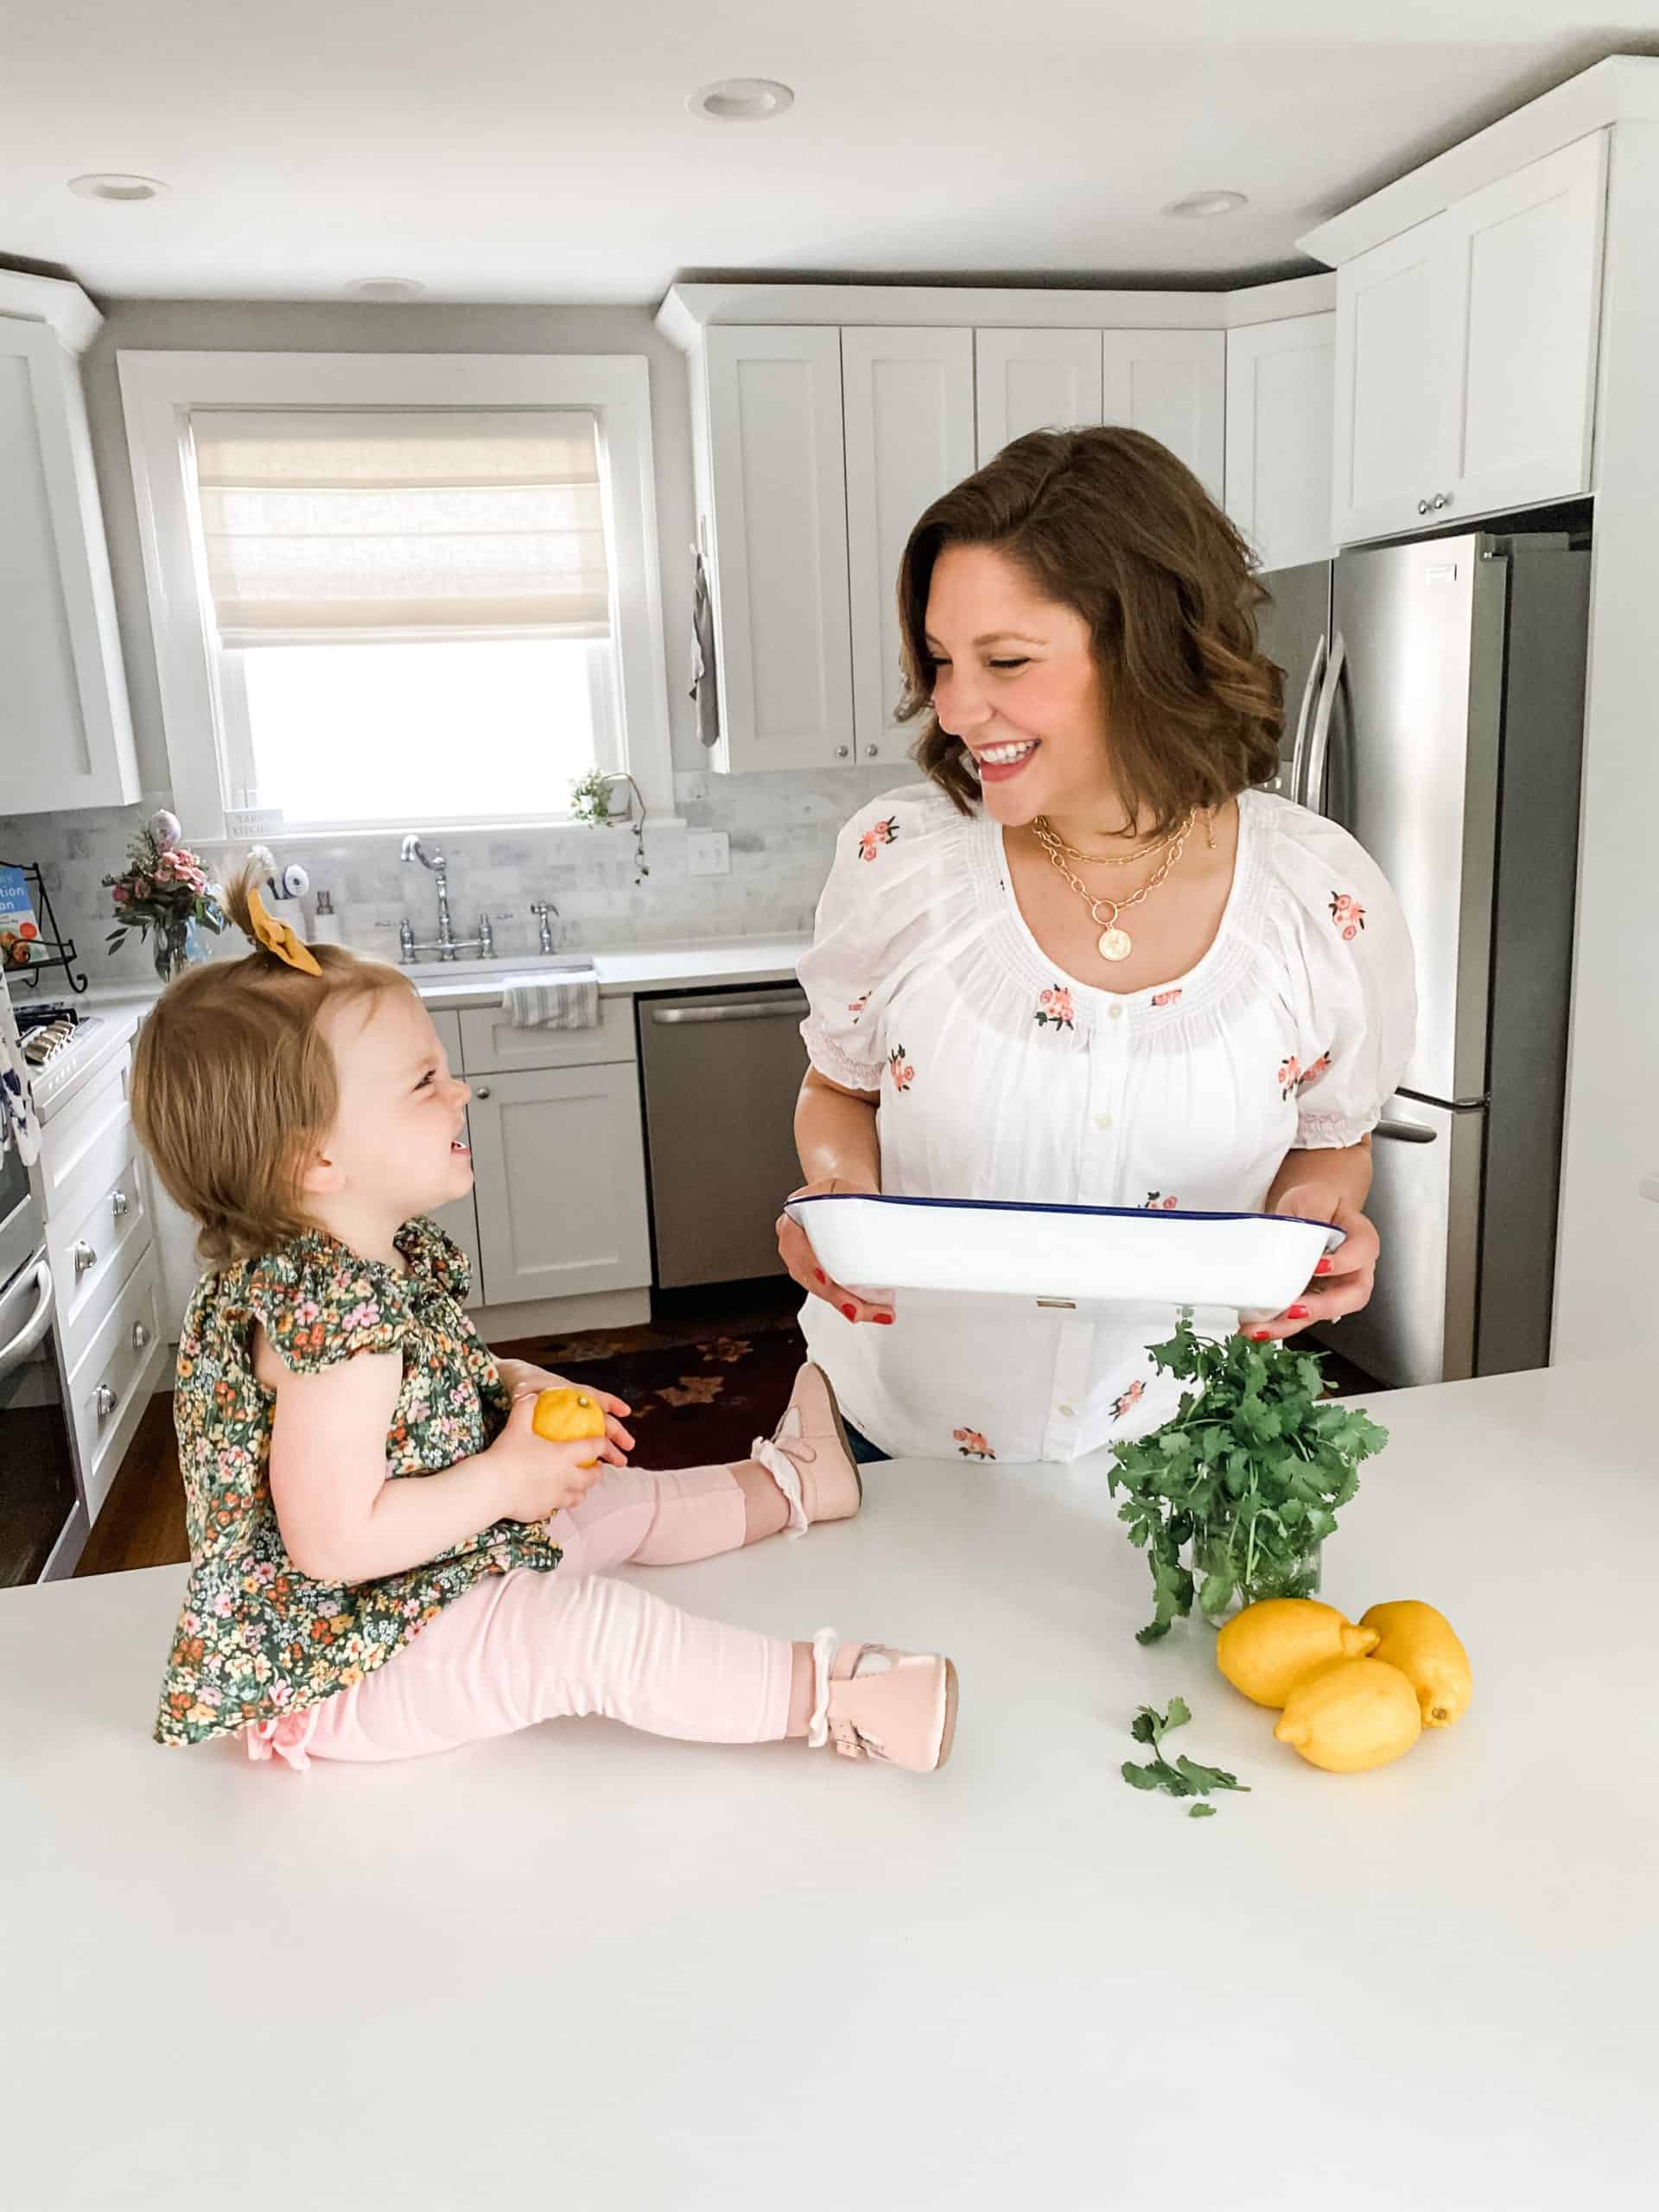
1305,715
1313,768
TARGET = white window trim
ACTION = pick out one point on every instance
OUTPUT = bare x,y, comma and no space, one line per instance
159,390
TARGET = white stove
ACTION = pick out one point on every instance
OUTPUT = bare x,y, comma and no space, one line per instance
62,1055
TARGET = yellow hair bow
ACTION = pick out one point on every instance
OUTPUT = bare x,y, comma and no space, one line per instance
279,937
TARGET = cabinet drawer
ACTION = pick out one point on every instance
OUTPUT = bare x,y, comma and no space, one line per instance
95,1238
490,1045
70,1141
111,1383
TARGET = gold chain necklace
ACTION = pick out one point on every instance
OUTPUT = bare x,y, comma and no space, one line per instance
1113,943
1046,830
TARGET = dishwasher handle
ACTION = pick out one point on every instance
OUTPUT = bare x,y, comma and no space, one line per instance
793,1006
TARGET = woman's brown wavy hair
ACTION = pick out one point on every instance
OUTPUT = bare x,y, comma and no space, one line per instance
234,1085
1107,522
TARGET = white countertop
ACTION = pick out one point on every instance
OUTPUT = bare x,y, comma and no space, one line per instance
626,1974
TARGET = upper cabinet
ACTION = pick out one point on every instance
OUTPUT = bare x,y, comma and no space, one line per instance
1281,385
1035,380
65,737
907,402
1171,383
1466,354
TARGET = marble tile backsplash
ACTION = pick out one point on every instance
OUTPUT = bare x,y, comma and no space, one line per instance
781,827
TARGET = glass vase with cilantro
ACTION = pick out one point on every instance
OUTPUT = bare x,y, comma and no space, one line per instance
1232,1498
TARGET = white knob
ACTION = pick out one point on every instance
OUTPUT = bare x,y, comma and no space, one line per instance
140,1336
85,1258
103,1402
119,1203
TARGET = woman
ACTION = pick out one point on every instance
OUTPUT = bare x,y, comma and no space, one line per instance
1089,962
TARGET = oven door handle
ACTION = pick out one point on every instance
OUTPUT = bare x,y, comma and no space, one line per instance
14,1353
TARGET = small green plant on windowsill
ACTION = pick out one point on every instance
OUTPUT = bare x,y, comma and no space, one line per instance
590,802
1246,1480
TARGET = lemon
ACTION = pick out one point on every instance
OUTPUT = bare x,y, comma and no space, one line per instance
562,1416
1349,1715
1268,1649
1424,1646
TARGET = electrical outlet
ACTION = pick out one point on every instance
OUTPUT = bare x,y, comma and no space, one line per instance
708,852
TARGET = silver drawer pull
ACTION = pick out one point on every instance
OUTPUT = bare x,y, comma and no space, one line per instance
140,1336
119,1203
85,1258
480,1090
672,1016
1405,1132
104,1402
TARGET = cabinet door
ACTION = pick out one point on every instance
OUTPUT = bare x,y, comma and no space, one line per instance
458,1220
560,1182
908,402
780,546
1172,384
1398,377
63,699
1526,254
1035,380
1280,385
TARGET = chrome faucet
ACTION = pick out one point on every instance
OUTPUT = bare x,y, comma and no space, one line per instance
446,944
546,913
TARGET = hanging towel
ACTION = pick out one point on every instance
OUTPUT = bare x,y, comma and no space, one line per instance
17,1124
705,687
552,1001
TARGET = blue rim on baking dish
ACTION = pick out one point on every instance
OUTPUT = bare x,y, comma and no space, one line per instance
1035,1206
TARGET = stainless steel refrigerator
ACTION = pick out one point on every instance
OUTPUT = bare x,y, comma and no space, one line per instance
1434,696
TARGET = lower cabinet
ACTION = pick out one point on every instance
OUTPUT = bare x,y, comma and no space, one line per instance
559,1182
459,1220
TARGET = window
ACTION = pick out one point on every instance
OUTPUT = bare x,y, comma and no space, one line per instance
392,590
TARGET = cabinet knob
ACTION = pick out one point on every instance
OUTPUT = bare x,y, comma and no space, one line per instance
870,751
841,751
1422,506
140,1336
1441,500
119,1203
480,1090
85,1258
103,1402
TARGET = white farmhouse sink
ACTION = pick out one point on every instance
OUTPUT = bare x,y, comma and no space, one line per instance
421,973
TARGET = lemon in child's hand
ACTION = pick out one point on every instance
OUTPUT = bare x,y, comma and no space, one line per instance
1352,1714
563,1416
1424,1646
1268,1649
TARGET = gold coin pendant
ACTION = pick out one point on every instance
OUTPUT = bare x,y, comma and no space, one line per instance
1116,944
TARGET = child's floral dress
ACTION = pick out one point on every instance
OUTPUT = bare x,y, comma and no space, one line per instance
258,1640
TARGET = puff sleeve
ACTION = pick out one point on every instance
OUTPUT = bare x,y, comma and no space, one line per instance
1351,980
320,1304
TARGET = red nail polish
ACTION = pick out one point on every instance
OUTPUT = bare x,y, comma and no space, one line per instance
1322,1267
885,1319
851,1311
1296,1313
820,1274
1260,1336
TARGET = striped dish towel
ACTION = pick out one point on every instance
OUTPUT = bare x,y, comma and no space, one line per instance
552,1002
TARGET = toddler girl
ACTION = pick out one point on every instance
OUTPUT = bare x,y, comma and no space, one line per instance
386,1558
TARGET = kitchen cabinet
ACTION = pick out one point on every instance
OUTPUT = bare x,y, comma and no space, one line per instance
1280,391
559,1182
1466,354
908,399
1171,383
1035,380
63,700
777,489
459,1219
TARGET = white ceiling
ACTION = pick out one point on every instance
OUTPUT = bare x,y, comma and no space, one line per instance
538,150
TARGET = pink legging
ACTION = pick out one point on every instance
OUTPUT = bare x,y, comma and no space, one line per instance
528,1646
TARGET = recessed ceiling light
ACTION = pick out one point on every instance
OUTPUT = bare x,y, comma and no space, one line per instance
741,100
387,288
111,187
1197,204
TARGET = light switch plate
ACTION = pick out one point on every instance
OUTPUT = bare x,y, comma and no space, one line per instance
708,852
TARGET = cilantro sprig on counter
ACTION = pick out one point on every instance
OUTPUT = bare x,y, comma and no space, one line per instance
1185,1777
1246,1477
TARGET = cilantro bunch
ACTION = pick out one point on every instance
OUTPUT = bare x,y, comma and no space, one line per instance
1246,1480
1187,1778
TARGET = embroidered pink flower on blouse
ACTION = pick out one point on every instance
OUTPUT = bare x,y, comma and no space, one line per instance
1055,1005
1311,1074
855,1006
1347,913
1130,1398
1165,998
1160,1201
880,833
1294,1079
971,1445
903,1074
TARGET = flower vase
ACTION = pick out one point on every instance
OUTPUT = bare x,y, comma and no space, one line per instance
1301,1580
170,949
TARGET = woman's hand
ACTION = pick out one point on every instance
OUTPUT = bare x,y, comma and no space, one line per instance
535,1479
795,1250
1343,1279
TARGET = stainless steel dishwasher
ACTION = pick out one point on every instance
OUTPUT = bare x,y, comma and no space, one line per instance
723,1069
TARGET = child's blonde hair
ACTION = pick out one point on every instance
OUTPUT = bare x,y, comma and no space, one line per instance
234,1085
